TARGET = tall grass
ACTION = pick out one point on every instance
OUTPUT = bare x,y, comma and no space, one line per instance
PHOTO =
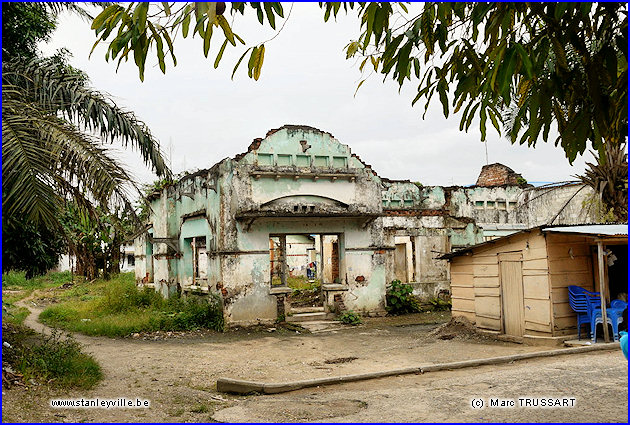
119,308
17,280
54,359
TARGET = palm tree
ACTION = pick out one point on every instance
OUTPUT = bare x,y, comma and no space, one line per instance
54,131
608,177
609,180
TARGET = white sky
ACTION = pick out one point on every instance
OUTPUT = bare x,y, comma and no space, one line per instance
201,116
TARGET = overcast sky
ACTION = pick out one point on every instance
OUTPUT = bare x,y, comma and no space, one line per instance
201,116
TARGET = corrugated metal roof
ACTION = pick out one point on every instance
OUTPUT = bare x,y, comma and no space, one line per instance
592,229
589,229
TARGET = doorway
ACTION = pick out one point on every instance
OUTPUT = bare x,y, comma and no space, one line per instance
400,262
303,262
511,280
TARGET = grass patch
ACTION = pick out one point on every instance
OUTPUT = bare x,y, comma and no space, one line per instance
200,408
296,282
13,314
54,359
17,280
118,308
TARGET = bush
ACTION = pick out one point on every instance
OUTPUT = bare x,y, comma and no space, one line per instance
350,318
400,299
54,359
191,312
438,304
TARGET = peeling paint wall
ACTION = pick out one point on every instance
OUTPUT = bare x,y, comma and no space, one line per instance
301,181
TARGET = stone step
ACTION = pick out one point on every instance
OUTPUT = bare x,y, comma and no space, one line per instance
320,326
299,310
307,317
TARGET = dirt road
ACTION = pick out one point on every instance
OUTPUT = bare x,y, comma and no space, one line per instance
178,376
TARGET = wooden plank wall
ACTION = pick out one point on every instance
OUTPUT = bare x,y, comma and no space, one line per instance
570,263
486,291
462,292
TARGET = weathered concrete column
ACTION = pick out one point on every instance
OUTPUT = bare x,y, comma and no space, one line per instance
283,259
341,248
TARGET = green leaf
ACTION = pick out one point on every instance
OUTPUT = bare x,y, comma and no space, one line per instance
277,7
252,61
442,87
259,13
358,87
226,29
259,62
239,39
220,54
98,22
167,8
527,63
270,15
186,24
239,62
352,48
169,43
140,15
206,39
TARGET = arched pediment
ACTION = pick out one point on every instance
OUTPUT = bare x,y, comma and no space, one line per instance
303,200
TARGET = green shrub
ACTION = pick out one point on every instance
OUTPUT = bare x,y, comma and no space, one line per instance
438,304
400,299
54,359
191,312
349,318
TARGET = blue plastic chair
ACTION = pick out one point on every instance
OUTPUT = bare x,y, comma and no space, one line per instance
617,307
613,318
578,300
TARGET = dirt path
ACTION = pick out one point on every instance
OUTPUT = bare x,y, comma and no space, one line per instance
178,376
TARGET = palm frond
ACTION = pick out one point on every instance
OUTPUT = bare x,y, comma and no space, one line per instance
46,160
58,89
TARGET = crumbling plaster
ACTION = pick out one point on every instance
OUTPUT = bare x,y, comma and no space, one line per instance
300,181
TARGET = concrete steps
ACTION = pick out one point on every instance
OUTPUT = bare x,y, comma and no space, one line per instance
320,326
299,310
307,317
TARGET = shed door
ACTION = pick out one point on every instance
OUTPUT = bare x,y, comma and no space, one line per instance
511,273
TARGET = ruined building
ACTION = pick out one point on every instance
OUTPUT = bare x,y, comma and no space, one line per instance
300,205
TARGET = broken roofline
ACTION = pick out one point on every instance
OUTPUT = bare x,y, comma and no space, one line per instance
256,144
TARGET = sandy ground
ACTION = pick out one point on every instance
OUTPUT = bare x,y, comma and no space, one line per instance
597,381
178,376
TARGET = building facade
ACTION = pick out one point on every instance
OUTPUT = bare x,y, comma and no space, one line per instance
299,199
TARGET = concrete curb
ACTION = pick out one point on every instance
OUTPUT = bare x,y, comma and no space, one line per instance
237,386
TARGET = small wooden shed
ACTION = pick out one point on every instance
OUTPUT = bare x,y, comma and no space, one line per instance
517,284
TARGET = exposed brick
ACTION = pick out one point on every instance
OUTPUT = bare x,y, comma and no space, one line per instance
498,175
